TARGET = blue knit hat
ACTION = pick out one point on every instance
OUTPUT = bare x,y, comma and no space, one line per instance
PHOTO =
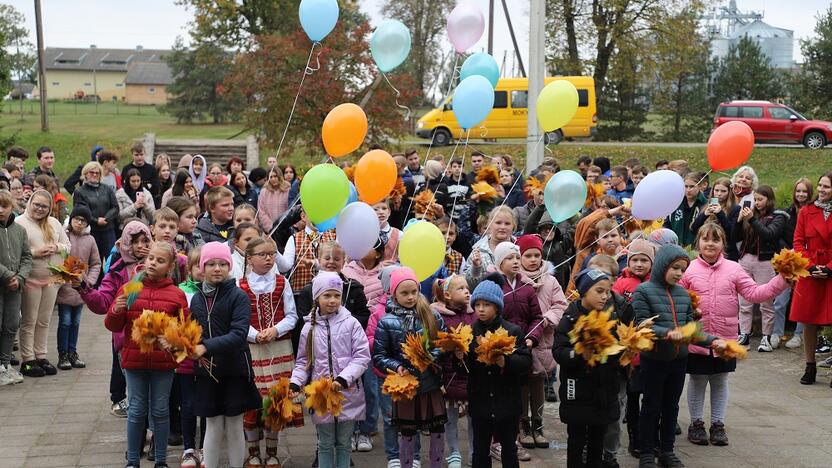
488,291
587,278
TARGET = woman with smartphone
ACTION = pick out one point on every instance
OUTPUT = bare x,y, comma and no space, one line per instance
719,207
134,201
812,301
760,234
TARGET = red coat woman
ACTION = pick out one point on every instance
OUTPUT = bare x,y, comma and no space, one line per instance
812,298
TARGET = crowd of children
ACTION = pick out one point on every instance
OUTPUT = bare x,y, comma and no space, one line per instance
278,299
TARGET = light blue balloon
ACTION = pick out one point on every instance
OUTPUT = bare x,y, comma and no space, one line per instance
564,195
390,45
333,221
318,17
481,64
473,101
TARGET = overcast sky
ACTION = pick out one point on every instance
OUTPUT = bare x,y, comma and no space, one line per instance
156,23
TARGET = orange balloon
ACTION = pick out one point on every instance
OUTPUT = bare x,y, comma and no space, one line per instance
375,176
344,129
730,145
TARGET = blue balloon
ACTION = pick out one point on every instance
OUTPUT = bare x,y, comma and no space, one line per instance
353,194
481,64
318,17
390,45
473,101
564,195
333,221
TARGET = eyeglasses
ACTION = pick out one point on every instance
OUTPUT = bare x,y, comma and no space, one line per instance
94,172
40,206
265,255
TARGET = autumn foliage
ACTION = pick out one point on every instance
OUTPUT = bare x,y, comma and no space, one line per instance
791,264
593,339
400,387
493,345
322,398
278,407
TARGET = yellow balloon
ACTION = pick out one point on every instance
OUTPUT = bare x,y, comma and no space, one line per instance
556,105
422,248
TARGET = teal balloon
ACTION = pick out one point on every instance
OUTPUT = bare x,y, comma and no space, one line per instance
324,191
473,101
318,17
481,64
564,195
390,45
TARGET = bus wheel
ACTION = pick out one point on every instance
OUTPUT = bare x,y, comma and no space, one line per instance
553,137
441,137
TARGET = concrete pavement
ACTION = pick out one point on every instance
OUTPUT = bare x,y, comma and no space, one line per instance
65,421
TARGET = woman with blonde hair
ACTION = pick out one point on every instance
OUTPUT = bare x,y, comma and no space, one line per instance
47,241
273,200
100,199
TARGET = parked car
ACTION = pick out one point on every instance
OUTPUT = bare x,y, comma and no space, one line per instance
772,122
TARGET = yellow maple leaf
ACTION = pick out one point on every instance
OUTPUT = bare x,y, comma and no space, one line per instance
791,264
458,338
493,345
322,398
400,387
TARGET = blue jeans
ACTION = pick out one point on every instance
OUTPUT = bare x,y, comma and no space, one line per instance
371,391
663,384
334,444
391,435
187,389
69,322
148,390
452,432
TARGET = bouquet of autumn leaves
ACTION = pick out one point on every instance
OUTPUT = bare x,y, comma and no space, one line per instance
70,271
181,334
278,407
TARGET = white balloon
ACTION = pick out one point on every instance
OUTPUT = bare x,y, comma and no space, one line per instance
658,195
357,229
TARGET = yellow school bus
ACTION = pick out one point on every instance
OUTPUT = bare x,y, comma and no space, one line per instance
508,118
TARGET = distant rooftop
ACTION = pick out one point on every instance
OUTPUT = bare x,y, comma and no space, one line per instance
761,29
57,58
148,73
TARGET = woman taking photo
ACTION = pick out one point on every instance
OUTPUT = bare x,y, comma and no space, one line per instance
47,241
134,201
812,301
719,207
101,200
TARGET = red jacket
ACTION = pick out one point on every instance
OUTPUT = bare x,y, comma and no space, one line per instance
812,298
627,283
161,296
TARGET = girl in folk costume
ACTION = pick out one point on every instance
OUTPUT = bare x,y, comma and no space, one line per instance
454,261
243,234
299,256
273,318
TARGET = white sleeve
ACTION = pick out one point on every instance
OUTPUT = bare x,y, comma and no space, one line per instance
287,260
252,334
290,313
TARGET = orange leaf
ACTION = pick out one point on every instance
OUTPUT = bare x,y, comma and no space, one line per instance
493,345
457,339
322,398
278,408
416,351
400,387
791,264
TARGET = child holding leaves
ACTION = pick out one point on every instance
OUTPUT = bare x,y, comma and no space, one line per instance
720,283
273,317
408,313
149,374
333,345
225,387
453,304
663,368
494,390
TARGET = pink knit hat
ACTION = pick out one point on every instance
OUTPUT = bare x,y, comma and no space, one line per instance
400,276
214,251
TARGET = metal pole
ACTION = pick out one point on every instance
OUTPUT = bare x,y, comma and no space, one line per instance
537,66
514,39
44,119
491,27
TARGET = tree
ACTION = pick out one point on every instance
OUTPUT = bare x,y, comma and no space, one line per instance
12,38
625,101
267,78
426,21
813,90
746,73
680,94
197,91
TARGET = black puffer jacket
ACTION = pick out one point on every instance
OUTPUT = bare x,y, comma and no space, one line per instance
494,393
588,395
224,329
101,200
766,238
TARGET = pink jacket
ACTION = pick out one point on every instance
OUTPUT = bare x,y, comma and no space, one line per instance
552,305
718,286
368,278
377,312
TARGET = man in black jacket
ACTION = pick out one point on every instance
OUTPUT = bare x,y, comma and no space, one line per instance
150,176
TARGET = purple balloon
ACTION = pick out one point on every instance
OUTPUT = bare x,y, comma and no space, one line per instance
357,229
465,26
658,195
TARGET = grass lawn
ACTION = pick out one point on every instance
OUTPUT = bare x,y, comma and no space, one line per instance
72,135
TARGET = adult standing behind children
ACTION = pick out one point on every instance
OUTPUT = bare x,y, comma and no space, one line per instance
134,201
100,199
150,177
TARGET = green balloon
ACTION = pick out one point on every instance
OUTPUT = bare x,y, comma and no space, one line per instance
324,191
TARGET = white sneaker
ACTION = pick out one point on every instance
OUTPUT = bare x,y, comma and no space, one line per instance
353,443
765,345
363,443
15,374
394,463
5,378
826,362
189,459
795,342
775,341
417,464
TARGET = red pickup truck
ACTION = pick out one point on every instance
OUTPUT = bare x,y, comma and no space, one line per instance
773,122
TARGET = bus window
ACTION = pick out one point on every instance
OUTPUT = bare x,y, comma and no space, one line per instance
500,99
519,99
583,98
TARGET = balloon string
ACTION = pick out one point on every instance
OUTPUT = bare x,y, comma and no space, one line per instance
398,94
705,176
294,202
307,70
483,131
427,155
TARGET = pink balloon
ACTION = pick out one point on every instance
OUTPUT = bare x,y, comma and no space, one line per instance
465,26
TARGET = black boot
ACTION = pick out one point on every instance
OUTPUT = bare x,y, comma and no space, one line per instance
810,374
63,361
